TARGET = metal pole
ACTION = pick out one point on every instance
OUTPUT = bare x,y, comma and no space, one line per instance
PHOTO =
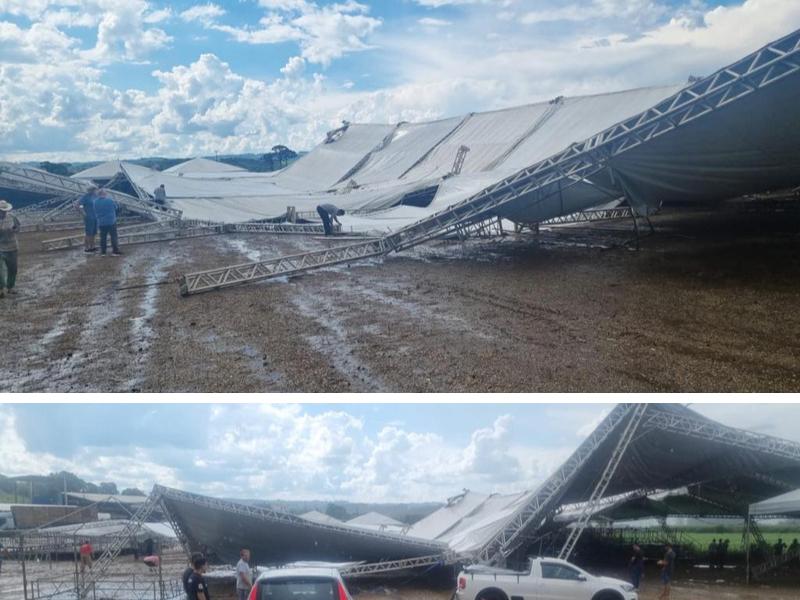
747,547
77,578
24,573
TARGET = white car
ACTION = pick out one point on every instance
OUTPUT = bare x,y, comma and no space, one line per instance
300,583
546,579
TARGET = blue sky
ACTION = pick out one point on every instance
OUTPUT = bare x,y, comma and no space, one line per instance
370,452
99,79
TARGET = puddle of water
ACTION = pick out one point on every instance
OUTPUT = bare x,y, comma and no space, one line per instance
334,344
257,361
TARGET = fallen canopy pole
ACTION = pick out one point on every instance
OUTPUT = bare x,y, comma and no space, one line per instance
577,162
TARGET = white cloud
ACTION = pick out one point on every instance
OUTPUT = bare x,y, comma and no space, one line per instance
203,13
434,23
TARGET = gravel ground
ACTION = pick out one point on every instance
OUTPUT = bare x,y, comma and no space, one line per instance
709,303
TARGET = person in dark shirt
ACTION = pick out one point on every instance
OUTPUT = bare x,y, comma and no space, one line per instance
636,566
667,571
198,590
188,572
328,214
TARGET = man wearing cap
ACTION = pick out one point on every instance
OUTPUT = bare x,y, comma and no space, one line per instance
328,213
86,208
9,226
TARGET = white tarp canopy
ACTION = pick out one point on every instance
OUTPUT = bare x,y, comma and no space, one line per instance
787,504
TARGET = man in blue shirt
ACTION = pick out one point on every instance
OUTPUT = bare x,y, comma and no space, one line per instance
86,208
105,209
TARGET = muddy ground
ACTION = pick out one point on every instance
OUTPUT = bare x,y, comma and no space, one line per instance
711,302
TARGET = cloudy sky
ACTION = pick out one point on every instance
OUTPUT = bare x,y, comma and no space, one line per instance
369,452
99,79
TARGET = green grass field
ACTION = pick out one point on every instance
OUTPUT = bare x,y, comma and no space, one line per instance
702,539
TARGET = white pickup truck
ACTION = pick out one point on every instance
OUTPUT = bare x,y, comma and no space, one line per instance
546,579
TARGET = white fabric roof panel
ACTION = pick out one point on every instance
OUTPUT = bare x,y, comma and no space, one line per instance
105,170
409,143
203,165
326,164
785,504
487,135
442,520
374,518
318,517
578,118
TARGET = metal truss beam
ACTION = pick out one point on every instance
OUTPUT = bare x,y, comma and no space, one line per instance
545,499
100,566
35,180
588,216
602,484
710,431
270,514
66,225
204,281
129,238
774,563
446,558
579,161
292,228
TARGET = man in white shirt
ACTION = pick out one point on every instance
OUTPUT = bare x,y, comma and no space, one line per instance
244,575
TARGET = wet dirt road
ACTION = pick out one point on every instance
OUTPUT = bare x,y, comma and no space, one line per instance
707,304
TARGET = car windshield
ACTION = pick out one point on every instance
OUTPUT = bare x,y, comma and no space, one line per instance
300,589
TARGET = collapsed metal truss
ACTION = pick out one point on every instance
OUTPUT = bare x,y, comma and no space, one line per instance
445,558
602,484
708,430
544,500
204,281
129,237
594,214
578,162
293,228
34,180
100,566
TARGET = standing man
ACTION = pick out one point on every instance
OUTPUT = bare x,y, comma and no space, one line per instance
244,575
198,589
636,566
105,209
187,572
86,208
328,212
9,226
160,194
667,571
85,552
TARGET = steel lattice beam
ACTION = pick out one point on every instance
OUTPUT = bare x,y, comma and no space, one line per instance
294,228
446,558
608,474
129,238
203,281
588,216
30,179
580,161
708,430
545,499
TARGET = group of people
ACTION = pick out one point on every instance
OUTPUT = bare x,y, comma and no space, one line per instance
9,248
667,565
99,212
195,586
781,548
718,553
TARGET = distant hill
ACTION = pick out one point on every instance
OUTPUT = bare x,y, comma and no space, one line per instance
258,163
